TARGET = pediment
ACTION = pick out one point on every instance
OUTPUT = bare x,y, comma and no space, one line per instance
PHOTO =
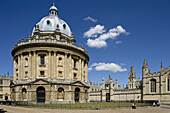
12,84
79,83
40,81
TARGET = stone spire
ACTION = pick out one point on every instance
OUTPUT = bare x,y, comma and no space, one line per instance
132,71
144,63
116,83
161,66
8,74
138,78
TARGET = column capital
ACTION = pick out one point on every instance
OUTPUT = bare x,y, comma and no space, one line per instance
55,51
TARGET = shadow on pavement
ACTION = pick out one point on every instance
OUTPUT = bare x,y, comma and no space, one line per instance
2,111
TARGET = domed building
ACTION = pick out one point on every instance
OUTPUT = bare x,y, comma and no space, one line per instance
48,67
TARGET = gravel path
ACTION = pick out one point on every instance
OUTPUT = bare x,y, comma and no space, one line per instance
11,109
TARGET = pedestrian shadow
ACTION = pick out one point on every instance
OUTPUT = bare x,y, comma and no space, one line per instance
2,111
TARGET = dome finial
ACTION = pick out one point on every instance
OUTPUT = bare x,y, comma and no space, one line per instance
53,4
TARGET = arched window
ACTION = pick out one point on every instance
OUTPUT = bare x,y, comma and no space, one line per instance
24,91
40,94
168,83
107,97
153,85
64,26
77,94
48,22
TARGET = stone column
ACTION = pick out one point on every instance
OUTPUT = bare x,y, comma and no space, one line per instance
70,66
14,69
86,72
79,69
54,65
21,66
35,65
82,70
49,64
29,65
65,66
57,65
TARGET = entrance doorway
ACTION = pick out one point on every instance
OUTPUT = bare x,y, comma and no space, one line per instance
107,97
41,94
77,92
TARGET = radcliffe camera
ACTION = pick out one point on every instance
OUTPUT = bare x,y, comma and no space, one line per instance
106,63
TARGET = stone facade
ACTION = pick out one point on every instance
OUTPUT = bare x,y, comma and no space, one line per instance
48,66
156,85
5,93
152,87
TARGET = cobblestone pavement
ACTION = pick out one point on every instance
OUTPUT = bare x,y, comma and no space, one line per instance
12,109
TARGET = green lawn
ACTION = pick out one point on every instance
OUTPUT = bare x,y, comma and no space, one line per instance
90,105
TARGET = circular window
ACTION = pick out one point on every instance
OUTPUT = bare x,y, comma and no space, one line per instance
48,22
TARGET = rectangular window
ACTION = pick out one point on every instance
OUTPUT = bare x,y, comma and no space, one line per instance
41,73
42,60
168,84
74,63
60,73
1,88
1,81
1,96
26,74
75,75
153,85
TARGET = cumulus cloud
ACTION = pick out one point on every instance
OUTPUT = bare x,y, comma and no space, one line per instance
96,43
94,31
108,67
90,18
101,41
118,42
90,68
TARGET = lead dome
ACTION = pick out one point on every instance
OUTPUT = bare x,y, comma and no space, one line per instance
52,23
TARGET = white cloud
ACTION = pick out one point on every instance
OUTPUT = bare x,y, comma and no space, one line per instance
118,42
108,67
96,43
113,33
90,68
122,64
101,41
90,18
94,31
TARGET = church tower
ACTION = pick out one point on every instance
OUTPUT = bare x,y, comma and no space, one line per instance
132,78
145,69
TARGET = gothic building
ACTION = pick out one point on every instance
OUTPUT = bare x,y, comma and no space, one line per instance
152,87
48,67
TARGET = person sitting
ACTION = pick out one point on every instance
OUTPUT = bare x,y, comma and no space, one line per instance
154,104
158,103
133,106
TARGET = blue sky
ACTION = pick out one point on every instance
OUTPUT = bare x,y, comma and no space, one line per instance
146,24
